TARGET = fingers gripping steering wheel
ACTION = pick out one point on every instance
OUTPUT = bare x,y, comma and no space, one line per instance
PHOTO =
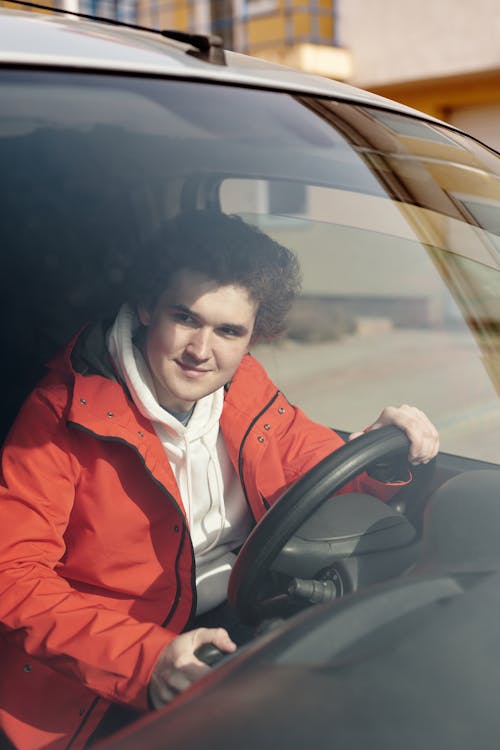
298,503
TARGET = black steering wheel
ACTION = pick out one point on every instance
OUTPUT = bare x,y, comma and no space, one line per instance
295,506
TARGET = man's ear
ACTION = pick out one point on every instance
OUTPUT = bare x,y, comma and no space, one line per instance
144,315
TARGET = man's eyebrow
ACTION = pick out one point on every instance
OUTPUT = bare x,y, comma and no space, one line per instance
237,328
182,308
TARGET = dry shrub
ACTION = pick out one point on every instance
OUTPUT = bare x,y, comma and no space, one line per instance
318,320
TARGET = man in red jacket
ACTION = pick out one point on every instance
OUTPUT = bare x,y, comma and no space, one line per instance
133,472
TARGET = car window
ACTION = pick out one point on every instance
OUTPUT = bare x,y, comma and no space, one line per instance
396,223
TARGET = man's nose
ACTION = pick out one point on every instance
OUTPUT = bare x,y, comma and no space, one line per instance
199,344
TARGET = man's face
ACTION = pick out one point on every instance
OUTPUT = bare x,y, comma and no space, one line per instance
196,337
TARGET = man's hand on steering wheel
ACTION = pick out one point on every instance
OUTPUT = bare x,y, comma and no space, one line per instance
423,436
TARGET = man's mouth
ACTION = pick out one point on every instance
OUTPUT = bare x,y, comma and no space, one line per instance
191,370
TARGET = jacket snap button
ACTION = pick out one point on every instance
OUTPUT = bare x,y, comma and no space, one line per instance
141,434
260,439
110,414
267,426
27,667
81,711
83,401
281,410
176,529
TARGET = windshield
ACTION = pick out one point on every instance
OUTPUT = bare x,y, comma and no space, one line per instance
396,223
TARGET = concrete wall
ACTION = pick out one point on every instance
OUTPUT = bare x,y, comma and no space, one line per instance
393,40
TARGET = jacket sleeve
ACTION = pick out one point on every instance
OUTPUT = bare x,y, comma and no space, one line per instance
305,443
110,652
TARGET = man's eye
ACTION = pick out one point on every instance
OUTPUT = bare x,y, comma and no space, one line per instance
228,331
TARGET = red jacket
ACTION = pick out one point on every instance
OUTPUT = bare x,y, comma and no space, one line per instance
96,561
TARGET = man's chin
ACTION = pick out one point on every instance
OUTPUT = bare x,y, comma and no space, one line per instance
190,396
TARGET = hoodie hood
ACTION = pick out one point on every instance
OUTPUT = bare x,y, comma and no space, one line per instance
89,354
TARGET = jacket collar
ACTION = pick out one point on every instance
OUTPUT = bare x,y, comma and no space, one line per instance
101,403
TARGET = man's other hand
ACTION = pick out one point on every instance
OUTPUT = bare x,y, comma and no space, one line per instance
177,666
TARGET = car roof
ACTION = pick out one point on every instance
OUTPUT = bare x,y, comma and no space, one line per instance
67,41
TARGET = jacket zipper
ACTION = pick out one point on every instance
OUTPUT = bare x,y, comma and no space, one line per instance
240,453
82,723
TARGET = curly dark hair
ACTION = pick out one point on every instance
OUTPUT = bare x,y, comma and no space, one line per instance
228,251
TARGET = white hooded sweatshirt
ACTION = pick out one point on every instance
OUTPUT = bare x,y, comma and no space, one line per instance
218,516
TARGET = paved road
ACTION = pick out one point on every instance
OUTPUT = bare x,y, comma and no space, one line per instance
346,383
